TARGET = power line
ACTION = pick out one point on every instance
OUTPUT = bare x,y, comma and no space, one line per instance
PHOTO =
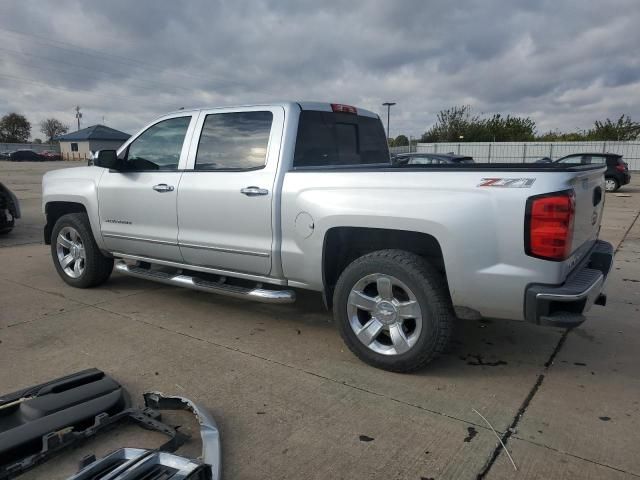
85,92
70,47
91,70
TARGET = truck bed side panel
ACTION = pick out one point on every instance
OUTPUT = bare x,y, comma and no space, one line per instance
480,229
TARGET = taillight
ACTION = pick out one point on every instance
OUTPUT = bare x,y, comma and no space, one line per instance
340,108
549,225
621,167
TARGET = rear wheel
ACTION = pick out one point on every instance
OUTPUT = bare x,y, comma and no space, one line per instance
75,253
611,184
393,310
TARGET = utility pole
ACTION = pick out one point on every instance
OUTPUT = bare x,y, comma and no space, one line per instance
388,105
78,115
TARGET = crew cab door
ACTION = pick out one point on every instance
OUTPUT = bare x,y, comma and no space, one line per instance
226,195
137,202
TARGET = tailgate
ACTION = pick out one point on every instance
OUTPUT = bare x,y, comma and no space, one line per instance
589,190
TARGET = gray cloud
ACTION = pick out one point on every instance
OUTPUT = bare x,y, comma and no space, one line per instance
564,63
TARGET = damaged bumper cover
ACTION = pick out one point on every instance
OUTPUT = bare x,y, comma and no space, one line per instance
38,422
138,463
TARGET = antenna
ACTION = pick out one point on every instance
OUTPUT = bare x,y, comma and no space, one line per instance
78,115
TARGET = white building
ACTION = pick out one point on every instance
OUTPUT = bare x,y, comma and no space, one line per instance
79,145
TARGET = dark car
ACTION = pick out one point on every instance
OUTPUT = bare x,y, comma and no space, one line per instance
9,209
26,156
431,159
544,160
617,173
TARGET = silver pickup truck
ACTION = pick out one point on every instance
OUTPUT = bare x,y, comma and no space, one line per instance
256,201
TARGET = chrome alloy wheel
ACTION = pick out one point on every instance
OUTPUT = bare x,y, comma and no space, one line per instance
384,314
71,254
610,185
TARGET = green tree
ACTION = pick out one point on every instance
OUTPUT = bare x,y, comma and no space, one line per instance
14,128
450,125
459,124
401,141
623,129
558,136
52,127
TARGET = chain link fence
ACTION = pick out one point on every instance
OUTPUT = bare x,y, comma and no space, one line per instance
527,152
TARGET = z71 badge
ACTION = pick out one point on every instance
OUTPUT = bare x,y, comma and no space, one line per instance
507,182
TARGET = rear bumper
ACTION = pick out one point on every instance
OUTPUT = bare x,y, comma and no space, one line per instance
564,305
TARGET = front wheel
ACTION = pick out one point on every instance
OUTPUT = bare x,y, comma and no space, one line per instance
611,184
75,253
393,310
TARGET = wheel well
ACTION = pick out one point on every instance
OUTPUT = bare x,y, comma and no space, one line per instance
343,245
54,210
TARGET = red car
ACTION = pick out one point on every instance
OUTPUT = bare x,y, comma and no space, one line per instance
51,155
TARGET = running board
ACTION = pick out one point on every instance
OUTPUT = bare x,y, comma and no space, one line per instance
194,283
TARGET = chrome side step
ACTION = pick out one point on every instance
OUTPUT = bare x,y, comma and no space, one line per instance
194,283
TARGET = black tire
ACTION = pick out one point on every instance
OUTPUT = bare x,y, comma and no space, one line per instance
6,226
430,290
97,267
615,182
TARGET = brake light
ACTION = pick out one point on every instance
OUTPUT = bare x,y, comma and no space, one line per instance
621,167
340,108
549,225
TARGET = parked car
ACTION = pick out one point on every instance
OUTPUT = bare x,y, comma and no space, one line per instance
26,156
254,201
617,173
6,155
9,209
51,155
431,159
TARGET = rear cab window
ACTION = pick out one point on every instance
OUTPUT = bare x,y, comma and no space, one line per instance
339,139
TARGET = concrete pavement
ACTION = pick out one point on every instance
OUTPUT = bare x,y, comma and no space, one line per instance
292,401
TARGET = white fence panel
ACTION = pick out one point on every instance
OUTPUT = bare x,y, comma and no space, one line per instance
36,147
522,152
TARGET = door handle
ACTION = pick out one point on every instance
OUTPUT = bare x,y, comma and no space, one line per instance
254,191
163,187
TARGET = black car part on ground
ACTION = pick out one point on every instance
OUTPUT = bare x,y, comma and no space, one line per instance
39,421
139,464
9,209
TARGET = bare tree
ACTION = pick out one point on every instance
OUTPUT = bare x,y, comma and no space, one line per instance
52,127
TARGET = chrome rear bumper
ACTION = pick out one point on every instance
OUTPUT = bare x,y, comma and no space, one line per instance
564,305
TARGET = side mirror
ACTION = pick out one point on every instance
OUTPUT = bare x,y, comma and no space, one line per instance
105,159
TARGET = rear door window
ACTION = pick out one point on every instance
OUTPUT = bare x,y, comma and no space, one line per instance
339,139
234,141
598,160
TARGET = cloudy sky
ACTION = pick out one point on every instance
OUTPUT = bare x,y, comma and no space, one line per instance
564,63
